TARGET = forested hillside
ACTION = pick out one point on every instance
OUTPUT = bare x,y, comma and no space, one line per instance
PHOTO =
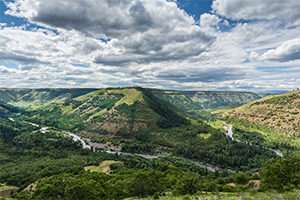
112,112
204,100
32,99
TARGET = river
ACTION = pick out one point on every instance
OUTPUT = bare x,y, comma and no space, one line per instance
209,166
84,145
230,133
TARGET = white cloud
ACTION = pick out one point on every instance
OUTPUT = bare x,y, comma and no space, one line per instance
209,20
141,31
287,10
288,51
153,44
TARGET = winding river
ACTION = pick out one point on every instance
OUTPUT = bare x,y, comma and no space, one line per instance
209,166
230,133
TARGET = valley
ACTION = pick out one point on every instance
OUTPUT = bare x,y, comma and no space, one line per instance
147,131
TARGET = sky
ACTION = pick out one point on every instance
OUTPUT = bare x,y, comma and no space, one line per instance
223,45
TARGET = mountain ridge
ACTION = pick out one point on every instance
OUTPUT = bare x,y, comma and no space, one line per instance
112,112
40,98
205,100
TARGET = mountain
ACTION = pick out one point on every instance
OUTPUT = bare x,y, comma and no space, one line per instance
279,112
40,98
204,100
278,115
115,112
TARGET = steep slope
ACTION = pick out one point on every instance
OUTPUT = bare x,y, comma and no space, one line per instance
115,112
40,98
202,100
278,114
7,110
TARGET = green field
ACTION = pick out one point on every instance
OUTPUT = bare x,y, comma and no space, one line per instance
103,166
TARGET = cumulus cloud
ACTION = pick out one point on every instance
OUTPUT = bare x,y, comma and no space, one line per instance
140,30
86,43
288,51
207,19
287,10
5,70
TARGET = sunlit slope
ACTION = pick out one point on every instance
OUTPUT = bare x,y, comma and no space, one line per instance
115,112
202,100
278,113
40,98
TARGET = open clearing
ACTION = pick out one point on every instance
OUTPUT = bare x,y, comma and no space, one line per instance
103,167
5,191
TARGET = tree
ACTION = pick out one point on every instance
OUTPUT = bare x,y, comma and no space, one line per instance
85,185
281,174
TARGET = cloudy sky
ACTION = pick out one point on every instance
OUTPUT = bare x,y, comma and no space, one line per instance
234,45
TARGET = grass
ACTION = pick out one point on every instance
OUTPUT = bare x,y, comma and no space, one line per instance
2,188
204,135
217,124
131,95
5,191
271,195
103,166
98,114
200,196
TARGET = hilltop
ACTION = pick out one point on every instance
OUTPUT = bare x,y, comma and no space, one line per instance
32,99
114,112
205,100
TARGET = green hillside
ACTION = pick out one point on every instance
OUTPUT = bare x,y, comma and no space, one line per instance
114,112
136,121
204,100
275,117
40,98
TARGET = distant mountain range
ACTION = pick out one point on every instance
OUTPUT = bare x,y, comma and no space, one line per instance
204,100
33,99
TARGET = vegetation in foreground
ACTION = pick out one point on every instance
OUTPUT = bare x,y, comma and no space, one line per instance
281,175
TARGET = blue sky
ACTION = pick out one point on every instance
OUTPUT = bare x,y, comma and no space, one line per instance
169,44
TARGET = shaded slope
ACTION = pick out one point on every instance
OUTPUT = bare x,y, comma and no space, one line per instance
40,98
202,100
115,112
6,109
